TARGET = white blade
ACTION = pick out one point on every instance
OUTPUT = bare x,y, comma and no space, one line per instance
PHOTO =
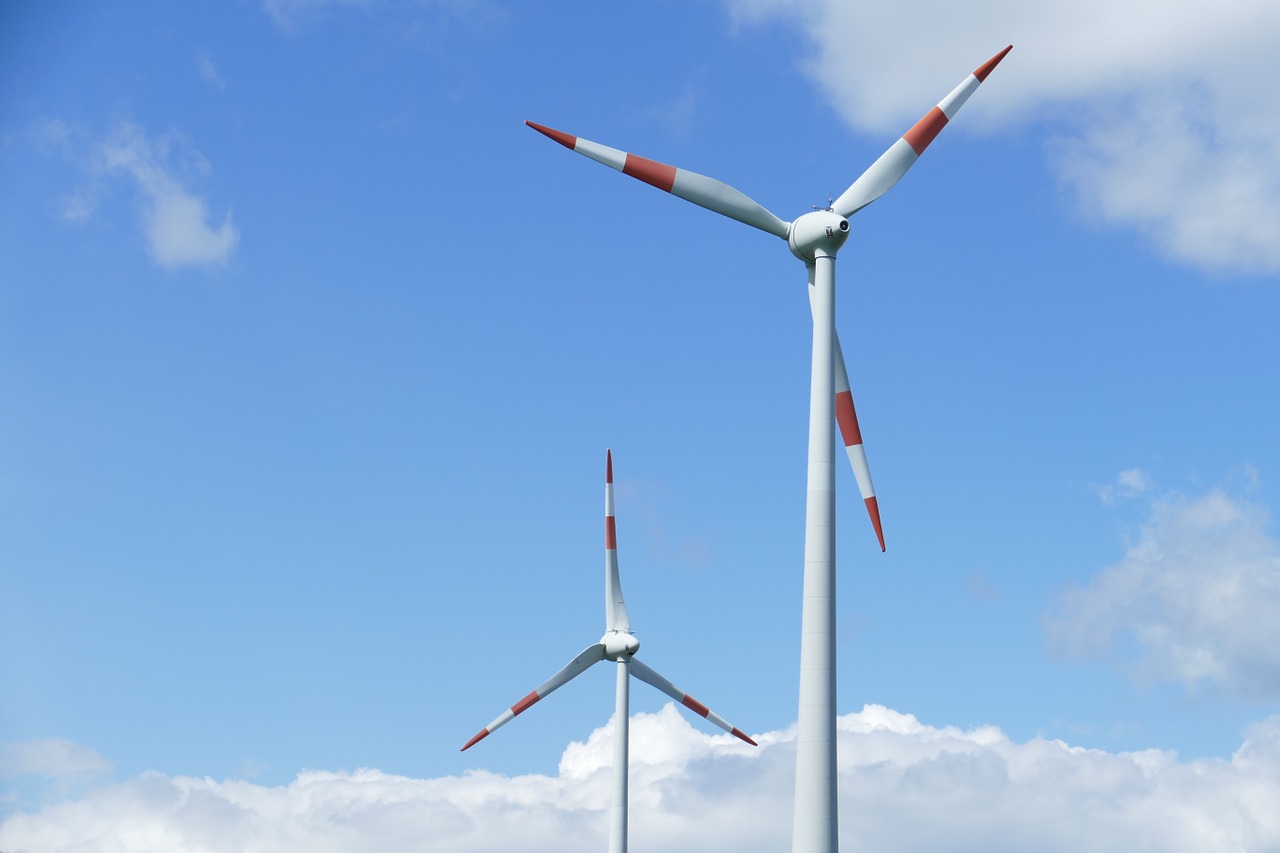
647,675
690,186
615,608
575,667
902,155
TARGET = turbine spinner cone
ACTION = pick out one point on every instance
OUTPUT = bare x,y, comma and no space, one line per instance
821,232
618,645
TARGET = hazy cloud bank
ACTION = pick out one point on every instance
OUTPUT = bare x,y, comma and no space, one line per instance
905,786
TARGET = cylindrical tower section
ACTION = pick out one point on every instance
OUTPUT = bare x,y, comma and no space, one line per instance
621,724
815,827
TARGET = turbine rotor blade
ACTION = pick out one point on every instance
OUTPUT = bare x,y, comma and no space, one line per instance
577,666
647,675
703,191
880,177
847,419
615,608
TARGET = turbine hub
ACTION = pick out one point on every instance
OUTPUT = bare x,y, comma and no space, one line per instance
618,645
822,232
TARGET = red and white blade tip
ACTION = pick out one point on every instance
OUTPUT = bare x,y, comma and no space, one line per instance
504,718
931,125
559,136
608,466
986,68
873,509
851,433
706,713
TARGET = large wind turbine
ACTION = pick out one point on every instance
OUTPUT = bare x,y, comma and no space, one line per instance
814,238
620,646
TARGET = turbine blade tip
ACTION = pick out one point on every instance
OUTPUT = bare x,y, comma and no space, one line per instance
564,139
873,510
745,737
608,466
991,63
479,737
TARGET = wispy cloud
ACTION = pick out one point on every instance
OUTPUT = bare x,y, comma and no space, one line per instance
50,758
1162,126
680,113
1195,600
287,13
905,786
208,71
175,221
1129,483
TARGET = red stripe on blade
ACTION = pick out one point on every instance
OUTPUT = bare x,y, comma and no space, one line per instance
848,419
484,733
873,510
608,466
610,533
523,705
563,138
991,63
737,733
652,172
925,130
696,706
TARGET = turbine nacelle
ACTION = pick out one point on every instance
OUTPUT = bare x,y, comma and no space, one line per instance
619,645
820,233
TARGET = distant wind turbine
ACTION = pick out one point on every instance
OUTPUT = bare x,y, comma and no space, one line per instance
620,646
814,238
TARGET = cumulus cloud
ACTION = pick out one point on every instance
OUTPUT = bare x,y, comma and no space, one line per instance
1162,126
905,786
1196,599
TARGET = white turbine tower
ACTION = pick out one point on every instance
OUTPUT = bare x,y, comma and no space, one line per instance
620,646
814,238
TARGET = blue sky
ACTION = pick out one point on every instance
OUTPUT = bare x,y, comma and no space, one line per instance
311,352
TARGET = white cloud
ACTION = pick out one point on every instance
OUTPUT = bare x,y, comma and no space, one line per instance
1163,125
174,219
905,786
1195,599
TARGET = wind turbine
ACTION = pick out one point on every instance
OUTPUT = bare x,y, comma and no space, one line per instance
620,646
814,238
